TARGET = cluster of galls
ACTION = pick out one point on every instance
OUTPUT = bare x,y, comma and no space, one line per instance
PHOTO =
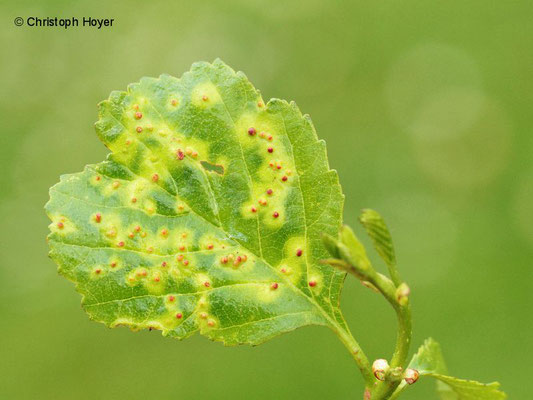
236,260
276,165
180,154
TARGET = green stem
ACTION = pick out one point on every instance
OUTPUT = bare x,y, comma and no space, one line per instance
403,313
357,353
398,390
403,340
383,389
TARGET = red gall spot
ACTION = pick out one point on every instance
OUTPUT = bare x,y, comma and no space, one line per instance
194,154
270,150
181,207
185,262
164,264
143,273
182,248
262,134
253,209
259,104
188,151
135,106
183,235
205,98
299,252
180,154
113,264
164,232
244,257
150,249
137,228
283,270
278,166
134,199
224,260
97,271
143,234
209,246
252,131
211,322
128,142
284,178
131,279
238,259
270,138
207,284
271,164
312,283
98,177
156,279
138,115
263,202
269,192
120,244
60,225
131,235
179,315
179,257
139,129
276,214
274,286
203,315
155,177
174,102
171,298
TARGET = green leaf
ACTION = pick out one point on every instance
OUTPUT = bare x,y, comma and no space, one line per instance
352,250
331,244
379,233
428,361
461,389
381,238
206,216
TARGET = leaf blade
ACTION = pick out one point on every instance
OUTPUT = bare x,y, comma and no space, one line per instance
159,132
429,361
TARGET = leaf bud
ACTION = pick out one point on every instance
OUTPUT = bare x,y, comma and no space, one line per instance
411,376
402,294
380,367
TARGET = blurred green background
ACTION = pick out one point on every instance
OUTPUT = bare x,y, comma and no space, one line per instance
426,109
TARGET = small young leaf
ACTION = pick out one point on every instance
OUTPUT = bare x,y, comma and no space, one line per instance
352,250
331,244
206,216
379,233
428,361
461,389
381,238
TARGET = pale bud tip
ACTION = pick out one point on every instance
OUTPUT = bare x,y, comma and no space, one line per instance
380,368
402,294
411,376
